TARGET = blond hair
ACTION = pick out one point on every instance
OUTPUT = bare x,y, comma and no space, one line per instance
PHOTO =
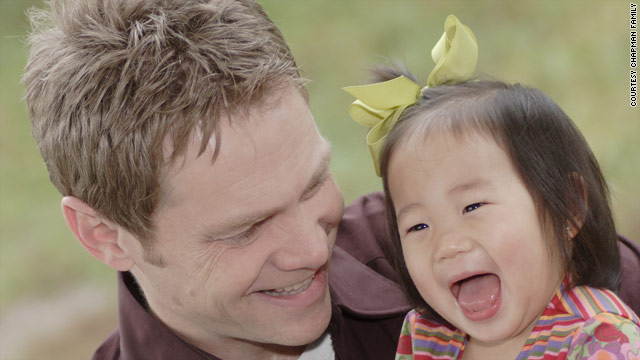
109,81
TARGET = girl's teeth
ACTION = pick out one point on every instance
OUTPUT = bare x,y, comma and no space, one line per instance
290,290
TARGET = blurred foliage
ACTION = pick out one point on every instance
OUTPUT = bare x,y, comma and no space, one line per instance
575,51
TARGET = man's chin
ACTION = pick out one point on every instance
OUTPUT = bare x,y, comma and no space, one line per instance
305,329
303,336
295,318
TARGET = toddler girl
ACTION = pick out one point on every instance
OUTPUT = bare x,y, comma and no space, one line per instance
500,223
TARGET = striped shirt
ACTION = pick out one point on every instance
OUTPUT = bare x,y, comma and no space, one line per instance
579,323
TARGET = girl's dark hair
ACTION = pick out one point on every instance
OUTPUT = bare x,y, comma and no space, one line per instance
549,154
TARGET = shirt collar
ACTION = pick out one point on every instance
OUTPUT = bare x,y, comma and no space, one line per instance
142,335
360,290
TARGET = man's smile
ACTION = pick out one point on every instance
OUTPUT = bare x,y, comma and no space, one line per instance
291,290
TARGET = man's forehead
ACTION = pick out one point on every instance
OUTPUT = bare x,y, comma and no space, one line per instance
207,133
280,139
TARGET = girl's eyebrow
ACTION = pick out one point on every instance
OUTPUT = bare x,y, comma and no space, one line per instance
406,208
470,185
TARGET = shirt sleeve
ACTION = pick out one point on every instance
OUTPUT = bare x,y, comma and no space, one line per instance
405,344
606,336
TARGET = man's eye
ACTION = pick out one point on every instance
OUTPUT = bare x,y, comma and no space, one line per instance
418,227
244,236
471,207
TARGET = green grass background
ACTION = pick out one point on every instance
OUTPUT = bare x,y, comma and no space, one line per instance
575,51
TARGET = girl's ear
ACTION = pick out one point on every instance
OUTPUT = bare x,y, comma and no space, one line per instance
579,206
96,234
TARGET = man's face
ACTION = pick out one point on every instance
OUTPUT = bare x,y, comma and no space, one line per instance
246,239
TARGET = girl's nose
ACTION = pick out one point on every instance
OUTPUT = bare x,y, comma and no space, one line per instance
452,243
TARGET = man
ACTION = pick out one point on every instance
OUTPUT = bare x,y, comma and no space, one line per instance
180,136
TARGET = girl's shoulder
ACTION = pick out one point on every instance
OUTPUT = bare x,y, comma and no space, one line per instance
420,322
606,336
423,338
610,327
587,302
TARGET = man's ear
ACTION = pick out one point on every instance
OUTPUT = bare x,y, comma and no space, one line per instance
96,234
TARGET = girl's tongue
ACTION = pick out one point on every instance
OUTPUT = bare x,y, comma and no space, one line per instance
478,296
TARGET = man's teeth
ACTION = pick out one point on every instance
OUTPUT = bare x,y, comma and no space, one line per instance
290,290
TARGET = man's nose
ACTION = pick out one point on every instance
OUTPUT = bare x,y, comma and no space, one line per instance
304,243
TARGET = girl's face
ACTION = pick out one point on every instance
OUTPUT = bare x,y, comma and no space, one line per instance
471,236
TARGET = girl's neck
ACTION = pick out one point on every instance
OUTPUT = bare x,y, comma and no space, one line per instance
507,350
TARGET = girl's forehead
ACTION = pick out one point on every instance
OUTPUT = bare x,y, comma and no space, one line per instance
443,129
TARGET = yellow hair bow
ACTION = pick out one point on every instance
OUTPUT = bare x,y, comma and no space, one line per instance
380,105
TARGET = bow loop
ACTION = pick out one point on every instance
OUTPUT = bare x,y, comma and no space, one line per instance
455,54
380,105
365,115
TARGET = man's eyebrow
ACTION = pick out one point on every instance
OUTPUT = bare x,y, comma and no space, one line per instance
235,225
320,175
470,185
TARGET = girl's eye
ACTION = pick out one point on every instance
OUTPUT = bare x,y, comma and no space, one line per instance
471,207
418,227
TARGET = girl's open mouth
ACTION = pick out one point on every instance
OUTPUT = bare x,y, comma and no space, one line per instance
478,296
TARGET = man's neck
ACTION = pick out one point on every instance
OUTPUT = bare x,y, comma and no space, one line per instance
243,349
221,347
259,352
